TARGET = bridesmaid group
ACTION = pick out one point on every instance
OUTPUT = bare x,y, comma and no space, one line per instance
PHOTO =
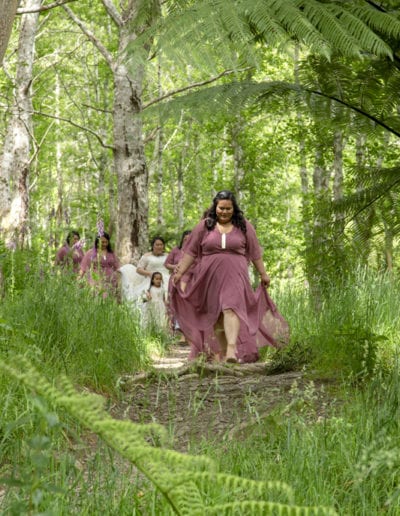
203,284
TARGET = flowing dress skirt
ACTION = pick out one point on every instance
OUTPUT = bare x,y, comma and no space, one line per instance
221,281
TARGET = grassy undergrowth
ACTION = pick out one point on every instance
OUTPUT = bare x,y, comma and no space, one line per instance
349,460
65,329
52,463
355,330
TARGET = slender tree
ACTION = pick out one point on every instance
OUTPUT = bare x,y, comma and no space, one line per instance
15,159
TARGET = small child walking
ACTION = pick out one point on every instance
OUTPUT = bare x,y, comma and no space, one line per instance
154,314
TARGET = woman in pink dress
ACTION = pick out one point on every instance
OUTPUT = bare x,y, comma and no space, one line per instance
176,253
100,266
70,255
218,310
173,258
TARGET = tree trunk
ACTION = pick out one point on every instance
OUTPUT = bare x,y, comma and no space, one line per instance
15,162
130,164
160,149
338,146
59,174
8,8
128,146
365,221
238,168
318,265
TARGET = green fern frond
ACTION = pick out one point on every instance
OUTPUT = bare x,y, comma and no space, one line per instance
232,484
268,509
375,184
263,24
189,499
209,34
365,38
187,490
297,25
332,27
382,22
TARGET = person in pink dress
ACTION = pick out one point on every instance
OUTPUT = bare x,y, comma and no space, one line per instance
218,310
100,267
70,255
173,258
175,255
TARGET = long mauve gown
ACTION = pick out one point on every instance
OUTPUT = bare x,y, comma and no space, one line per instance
101,271
221,281
173,258
69,257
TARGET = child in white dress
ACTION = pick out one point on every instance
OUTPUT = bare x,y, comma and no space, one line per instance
154,309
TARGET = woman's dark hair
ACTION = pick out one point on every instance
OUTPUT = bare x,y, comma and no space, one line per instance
97,240
70,235
187,232
210,215
152,278
155,239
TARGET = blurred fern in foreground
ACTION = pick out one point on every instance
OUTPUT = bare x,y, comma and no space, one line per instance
189,484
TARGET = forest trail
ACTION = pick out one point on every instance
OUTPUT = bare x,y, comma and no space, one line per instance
212,401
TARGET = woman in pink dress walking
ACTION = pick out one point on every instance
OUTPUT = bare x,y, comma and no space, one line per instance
70,255
100,265
219,310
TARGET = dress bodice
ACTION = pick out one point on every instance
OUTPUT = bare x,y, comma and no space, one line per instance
153,263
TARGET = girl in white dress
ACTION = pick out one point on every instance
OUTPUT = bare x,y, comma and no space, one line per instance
154,314
135,279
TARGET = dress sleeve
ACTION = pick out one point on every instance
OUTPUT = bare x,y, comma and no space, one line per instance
86,260
171,258
253,248
193,244
143,262
60,256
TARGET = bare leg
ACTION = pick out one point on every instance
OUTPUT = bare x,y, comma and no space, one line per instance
220,336
232,328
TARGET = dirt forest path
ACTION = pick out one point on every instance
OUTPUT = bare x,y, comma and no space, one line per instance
211,401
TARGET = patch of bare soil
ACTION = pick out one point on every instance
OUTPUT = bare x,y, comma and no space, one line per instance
213,401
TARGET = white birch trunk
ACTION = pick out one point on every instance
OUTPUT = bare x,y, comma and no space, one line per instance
15,162
130,165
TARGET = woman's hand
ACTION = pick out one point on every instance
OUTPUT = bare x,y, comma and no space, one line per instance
265,279
176,277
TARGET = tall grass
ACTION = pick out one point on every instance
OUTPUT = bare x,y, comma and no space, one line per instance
64,329
356,328
349,460
67,329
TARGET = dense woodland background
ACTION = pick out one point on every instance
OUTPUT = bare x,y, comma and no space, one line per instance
137,112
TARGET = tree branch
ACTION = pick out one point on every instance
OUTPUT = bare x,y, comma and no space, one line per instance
354,108
194,85
89,34
44,7
96,108
112,12
376,6
69,121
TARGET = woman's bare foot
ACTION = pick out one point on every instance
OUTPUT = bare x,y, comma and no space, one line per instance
231,355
